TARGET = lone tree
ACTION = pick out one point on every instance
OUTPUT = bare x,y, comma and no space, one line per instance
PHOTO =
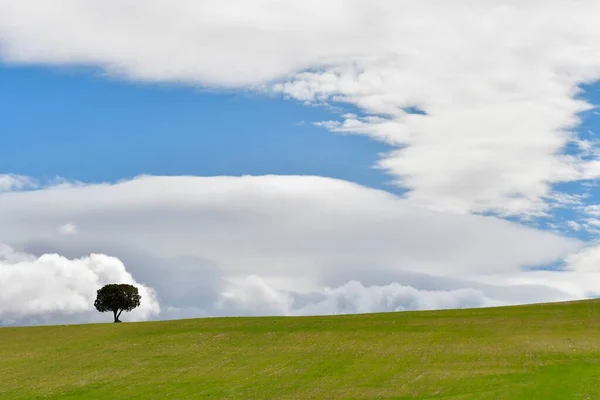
117,298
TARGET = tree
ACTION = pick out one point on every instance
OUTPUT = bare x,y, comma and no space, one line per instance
117,298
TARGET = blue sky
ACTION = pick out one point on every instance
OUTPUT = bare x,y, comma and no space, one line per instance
79,125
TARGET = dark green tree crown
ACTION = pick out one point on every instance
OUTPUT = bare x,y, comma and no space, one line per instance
117,297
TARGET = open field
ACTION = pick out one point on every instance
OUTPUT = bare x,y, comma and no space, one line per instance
549,351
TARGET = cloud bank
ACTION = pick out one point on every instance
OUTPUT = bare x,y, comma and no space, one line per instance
253,296
286,245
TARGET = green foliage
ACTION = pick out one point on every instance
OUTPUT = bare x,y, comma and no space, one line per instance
540,352
117,298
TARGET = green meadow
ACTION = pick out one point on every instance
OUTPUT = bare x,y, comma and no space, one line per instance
547,351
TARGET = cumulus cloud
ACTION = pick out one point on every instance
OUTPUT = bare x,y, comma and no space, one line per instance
38,288
282,245
496,81
11,182
254,296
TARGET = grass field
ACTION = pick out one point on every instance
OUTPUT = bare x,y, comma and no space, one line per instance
549,351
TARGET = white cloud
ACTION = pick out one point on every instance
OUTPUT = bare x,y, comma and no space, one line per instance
497,79
68,229
254,296
281,245
578,278
586,260
574,225
297,224
41,287
592,210
11,182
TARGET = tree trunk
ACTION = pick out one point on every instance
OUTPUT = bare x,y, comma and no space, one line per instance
116,316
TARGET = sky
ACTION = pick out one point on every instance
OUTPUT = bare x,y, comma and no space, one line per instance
284,157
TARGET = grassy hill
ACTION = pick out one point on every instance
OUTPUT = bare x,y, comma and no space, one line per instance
549,351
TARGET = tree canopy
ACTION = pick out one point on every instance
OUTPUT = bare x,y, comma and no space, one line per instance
117,298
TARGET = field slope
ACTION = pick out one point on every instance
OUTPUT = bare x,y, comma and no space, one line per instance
549,351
